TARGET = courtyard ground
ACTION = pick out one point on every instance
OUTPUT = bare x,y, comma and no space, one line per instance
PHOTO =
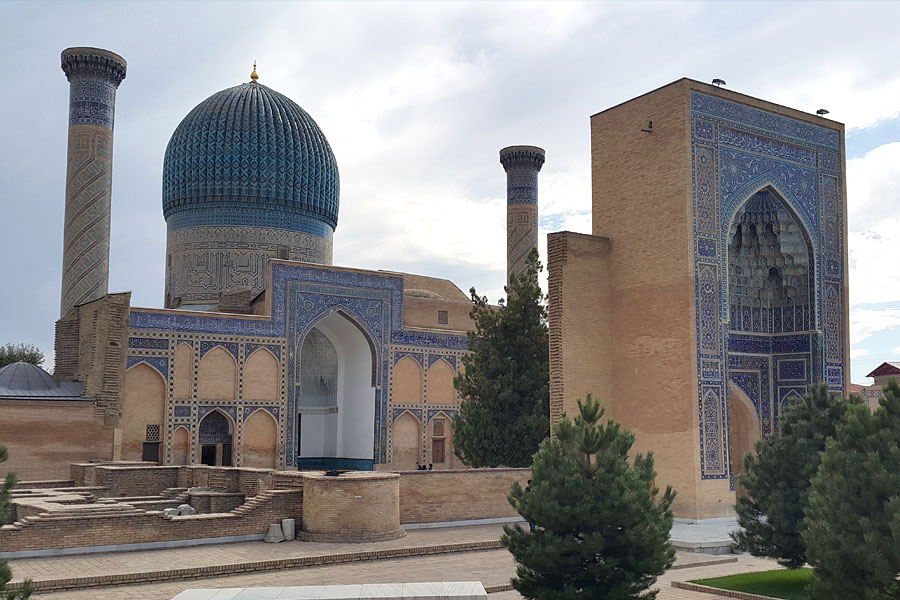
256,564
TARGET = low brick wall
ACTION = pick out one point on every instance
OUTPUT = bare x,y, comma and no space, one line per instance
354,507
136,480
52,532
215,502
457,495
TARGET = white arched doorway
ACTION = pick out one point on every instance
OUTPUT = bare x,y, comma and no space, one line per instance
336,397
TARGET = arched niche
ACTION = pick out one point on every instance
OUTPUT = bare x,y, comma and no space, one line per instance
262,379
217,377
181,446
439,449
771,269
406,442
260,445
409,381
336,394
216,439
743,430
143,413
440,383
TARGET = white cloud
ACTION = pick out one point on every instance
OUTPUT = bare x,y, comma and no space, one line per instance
858,352
865,321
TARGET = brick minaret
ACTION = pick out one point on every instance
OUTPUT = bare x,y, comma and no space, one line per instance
522,165
93,75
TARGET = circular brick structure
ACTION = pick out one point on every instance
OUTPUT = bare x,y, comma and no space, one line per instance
357,506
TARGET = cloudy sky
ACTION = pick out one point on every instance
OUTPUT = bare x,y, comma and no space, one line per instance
416,100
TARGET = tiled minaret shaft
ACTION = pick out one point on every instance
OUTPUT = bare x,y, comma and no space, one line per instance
93,75
522,165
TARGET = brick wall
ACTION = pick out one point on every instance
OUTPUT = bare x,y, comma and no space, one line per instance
64,532
457,495
43,437
91,347
355,506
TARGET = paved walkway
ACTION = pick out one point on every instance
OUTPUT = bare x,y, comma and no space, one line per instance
492,567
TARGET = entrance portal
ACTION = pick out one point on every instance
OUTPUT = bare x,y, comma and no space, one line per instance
216,434
336,420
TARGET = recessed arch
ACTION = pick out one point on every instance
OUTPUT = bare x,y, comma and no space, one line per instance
262,378
743,429
335,393
440,383
181,446
770,268
260,445
215,435
439,450
353,320
408,386
143,412
217,376
406,441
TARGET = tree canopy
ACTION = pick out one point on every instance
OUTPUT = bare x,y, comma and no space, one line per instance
505,385
777,478
601,528
852,523
12,353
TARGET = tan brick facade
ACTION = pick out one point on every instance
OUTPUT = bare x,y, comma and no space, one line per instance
623,319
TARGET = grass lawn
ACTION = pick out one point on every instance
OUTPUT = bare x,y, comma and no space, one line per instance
781,583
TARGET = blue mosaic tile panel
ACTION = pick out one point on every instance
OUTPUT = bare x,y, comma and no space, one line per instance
433,358
160,363
430,340
148,343
763,121
761,145
182,411
416,356
206,346
273,348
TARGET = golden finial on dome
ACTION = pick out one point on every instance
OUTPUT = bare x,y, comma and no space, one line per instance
254,76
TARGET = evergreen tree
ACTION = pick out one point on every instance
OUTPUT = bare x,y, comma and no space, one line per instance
777,478
599,528
505,388
853,518
6,514
11,353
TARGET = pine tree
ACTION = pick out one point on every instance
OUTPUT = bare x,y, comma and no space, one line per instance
777,478
853,518
6,514
505,387
600,529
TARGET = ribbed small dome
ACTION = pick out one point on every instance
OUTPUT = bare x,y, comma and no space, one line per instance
249,156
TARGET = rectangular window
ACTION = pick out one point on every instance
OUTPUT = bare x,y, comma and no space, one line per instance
438,428
437,451
443,317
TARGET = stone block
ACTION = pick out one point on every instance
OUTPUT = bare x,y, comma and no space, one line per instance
288,528
275,534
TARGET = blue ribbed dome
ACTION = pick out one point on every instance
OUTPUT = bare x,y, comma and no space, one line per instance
249,156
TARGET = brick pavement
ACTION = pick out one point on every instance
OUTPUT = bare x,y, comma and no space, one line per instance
490,567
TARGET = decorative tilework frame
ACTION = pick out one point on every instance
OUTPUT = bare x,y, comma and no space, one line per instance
738,150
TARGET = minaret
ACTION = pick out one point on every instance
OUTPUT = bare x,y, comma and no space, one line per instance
93,75
522,165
